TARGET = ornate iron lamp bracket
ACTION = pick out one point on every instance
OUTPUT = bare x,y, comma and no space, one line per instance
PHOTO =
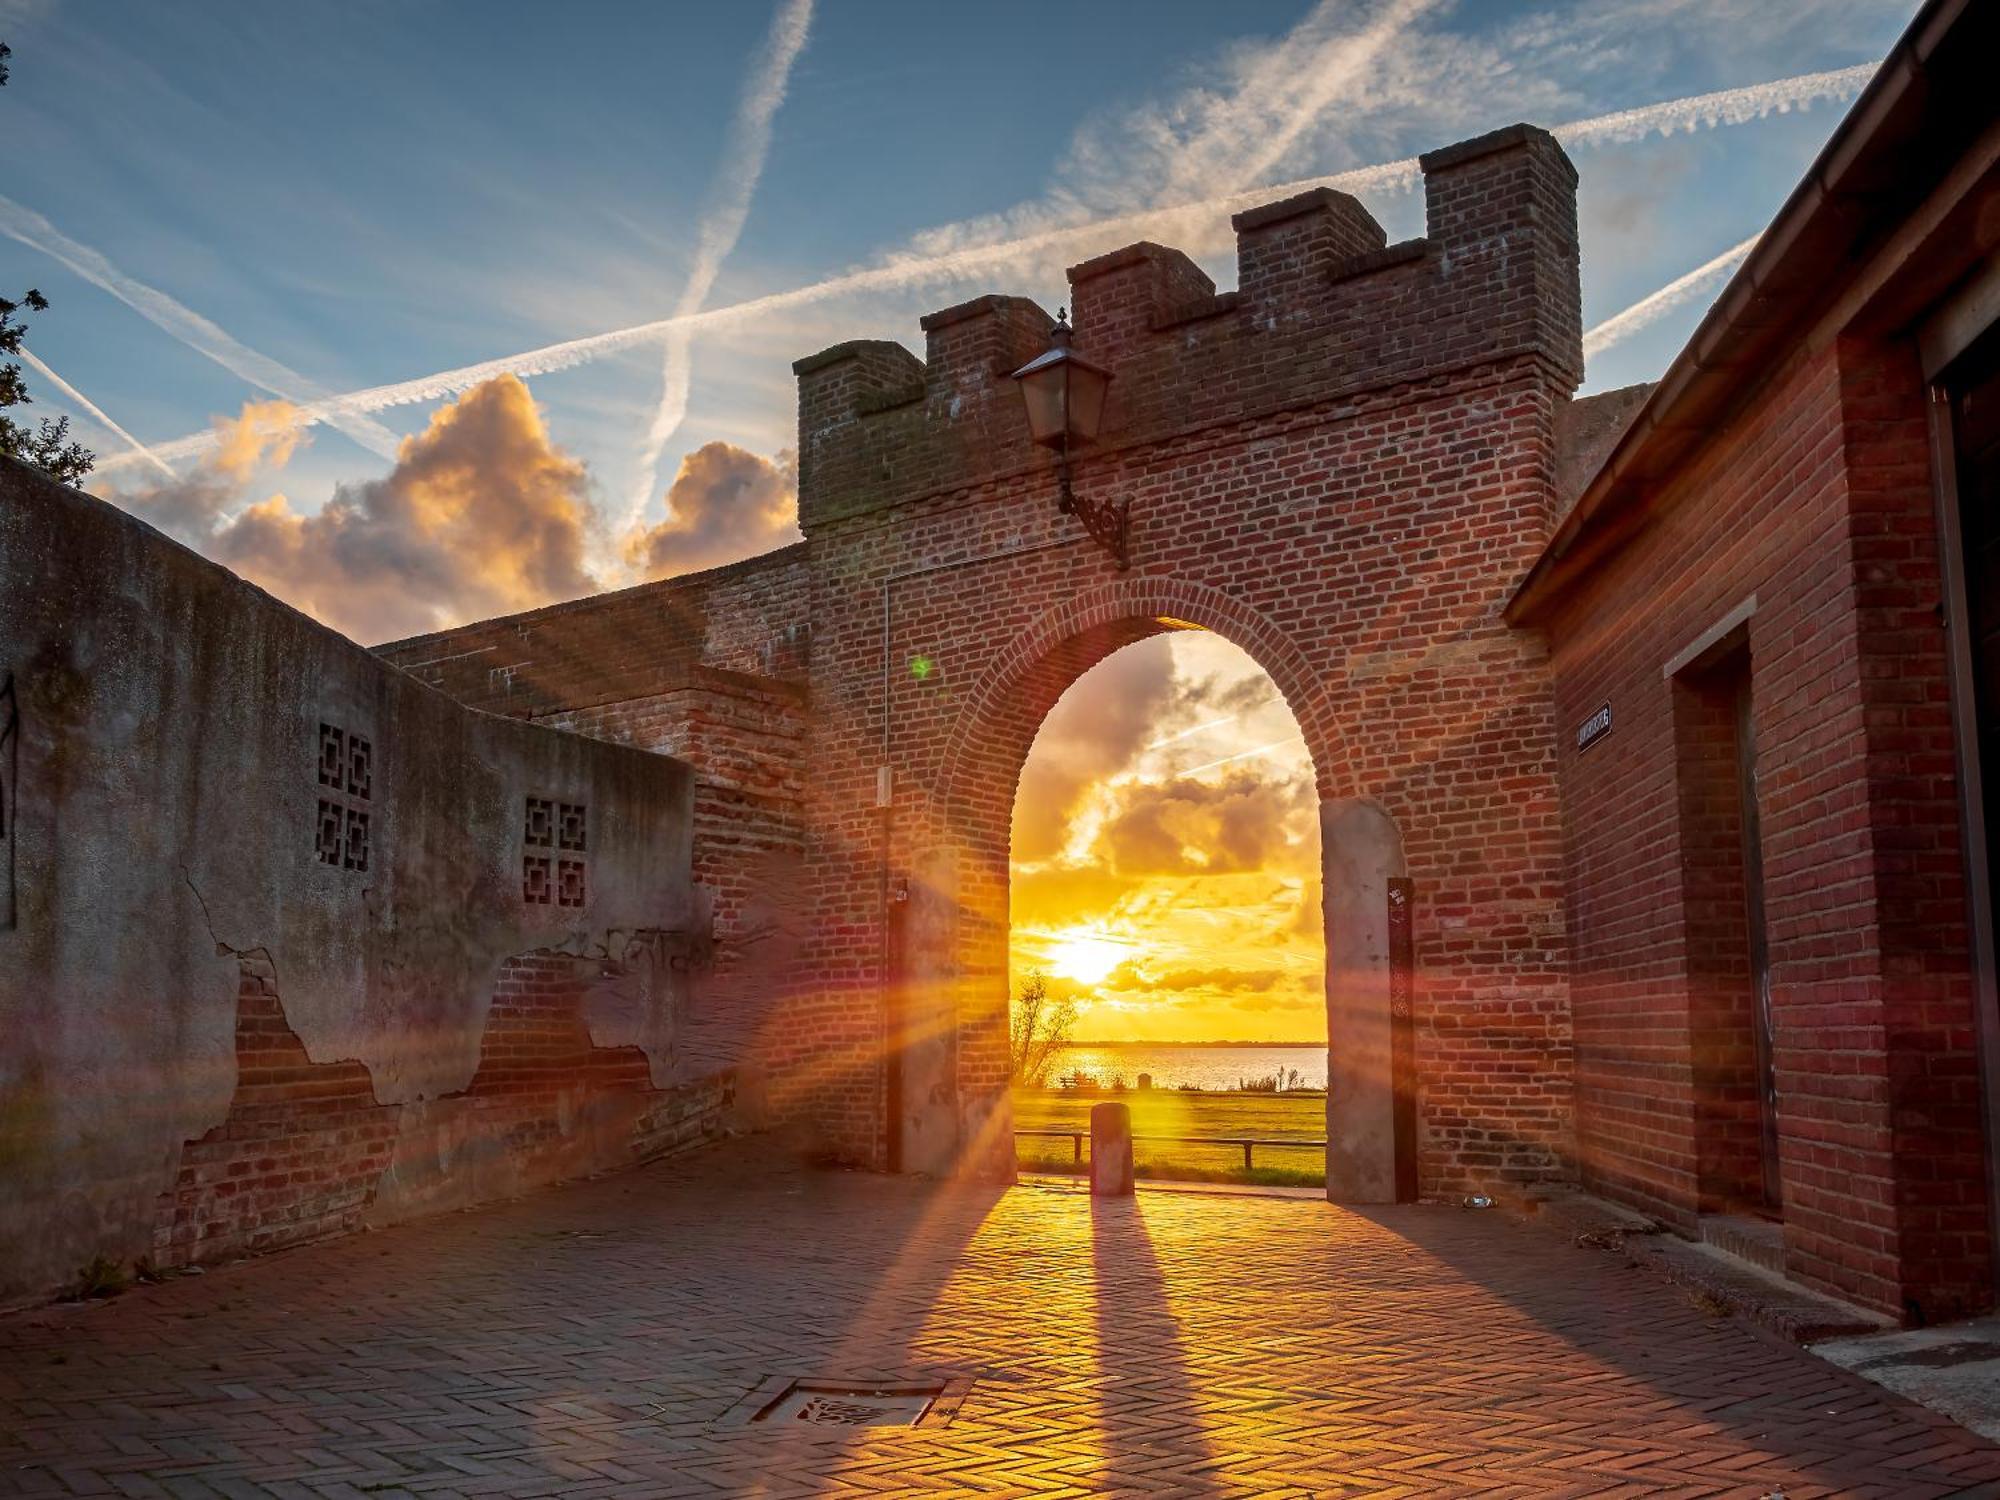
1109,523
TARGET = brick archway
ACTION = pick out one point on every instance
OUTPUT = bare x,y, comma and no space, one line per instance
1344,465
1022,683
948,1102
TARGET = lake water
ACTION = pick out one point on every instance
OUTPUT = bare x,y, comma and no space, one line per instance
1204,1067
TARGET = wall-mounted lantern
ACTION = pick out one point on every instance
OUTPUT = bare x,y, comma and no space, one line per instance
1064,393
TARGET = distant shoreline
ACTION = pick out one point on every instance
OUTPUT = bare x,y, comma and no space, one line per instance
1155,1047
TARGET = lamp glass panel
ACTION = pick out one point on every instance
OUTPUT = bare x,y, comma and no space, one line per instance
1043,392
1086,402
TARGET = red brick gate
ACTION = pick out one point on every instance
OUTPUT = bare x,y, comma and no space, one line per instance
1342,466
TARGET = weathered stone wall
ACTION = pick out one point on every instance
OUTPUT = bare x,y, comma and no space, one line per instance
268,900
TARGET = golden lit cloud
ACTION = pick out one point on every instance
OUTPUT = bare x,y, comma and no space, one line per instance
1166,851
482,515
725,503
264,434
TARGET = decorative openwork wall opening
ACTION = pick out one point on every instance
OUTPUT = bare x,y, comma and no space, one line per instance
555,853
346,779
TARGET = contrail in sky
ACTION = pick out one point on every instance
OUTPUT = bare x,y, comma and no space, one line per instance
1188,734
95,412
1697,112
1297,739
191,328
741,168
1621,326
1291,88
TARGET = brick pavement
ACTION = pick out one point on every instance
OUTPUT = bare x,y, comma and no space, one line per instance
586,1341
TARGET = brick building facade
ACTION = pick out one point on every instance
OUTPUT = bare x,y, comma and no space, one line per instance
1347,466
1778,999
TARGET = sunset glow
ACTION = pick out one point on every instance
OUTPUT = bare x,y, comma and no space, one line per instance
1166,851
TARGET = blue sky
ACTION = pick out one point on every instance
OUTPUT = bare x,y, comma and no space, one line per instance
370,192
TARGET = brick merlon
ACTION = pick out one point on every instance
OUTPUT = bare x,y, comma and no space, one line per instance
1132,255
1506,138
850,349
993,302
1311,201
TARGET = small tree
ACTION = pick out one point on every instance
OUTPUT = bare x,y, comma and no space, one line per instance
47,447
1035,1029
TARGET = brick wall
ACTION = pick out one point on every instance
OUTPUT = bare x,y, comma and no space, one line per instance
1343,479
1816,499
625,646
1915,839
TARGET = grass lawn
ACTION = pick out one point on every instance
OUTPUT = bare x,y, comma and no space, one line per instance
1172,1112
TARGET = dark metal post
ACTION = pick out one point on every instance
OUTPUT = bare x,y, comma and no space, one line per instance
895,992
1403,1035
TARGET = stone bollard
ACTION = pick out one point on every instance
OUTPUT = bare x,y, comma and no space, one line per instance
1111,1150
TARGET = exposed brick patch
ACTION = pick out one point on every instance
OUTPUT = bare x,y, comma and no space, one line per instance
298,1156
304,1146
539,1070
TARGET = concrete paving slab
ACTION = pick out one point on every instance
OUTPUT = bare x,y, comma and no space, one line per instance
1954,1369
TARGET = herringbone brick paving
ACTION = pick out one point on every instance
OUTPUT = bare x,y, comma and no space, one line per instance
585,1340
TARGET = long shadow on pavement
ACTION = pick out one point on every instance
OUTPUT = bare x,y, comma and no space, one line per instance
1145,1386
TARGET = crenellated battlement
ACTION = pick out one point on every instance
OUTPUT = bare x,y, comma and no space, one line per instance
1324,307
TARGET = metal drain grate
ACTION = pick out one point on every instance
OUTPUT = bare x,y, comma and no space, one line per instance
838,1406
785,1402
